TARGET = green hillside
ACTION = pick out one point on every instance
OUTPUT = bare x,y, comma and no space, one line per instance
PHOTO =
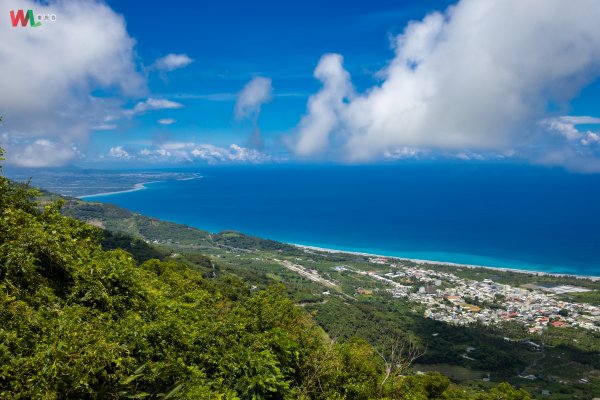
77,321
570,356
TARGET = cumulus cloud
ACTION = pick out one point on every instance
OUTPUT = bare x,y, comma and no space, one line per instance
171,62
48,76
119,152
326,108
249,102
566,126
402,153
563,126
42,153
590,138
569,146
167,121
477,77
234,153
256,92
202,152
153,104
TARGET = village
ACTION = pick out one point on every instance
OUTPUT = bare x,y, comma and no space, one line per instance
457,301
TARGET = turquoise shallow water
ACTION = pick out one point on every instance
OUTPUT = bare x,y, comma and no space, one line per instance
494,215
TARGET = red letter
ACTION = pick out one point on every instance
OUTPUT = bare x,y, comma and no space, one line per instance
19,18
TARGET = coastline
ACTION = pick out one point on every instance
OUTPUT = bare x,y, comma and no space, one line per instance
422,261
452,264
135,188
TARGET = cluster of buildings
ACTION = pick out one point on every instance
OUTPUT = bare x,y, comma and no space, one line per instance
460,301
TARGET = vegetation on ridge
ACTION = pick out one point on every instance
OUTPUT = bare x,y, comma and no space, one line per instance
77,321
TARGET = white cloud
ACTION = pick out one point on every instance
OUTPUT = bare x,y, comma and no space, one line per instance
565,126
245,155
249,102
42,153
326,107
191,152
590,138
562,126
580,119
477,77
166,121
402,153
104,127
577,150
467,155
171,62
48,75
154,154
256,92
119,152
153,104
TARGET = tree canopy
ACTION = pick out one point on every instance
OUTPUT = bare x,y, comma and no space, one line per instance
77,321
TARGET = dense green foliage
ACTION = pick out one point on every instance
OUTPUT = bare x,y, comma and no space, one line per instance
79,321
115,219
379,319
584,297
467,354
140,250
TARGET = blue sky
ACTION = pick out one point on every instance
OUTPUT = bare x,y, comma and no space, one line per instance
232,42
132,83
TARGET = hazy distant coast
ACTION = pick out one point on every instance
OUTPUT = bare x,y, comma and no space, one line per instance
136,187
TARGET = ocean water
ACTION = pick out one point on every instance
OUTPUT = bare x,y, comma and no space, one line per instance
498,215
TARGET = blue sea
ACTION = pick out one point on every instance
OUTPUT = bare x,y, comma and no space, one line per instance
498,215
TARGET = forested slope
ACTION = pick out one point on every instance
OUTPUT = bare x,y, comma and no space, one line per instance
77,321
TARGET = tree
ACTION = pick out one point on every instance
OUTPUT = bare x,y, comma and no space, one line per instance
563,312
82,322
397,358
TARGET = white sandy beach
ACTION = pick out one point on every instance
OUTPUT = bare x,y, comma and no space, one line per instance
135,188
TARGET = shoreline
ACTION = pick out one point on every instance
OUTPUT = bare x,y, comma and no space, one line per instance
451,264
142,186
136,187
